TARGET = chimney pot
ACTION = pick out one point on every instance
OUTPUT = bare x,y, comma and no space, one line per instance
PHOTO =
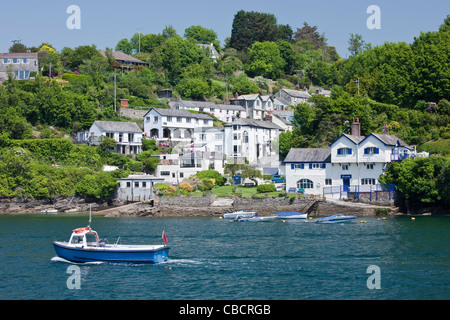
356,128
385,129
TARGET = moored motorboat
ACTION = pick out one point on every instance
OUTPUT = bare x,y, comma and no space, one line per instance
291,215
239,214
86,246
257,219
337,218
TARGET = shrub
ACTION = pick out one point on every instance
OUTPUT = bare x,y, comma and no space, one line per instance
262,188
186,186
212,174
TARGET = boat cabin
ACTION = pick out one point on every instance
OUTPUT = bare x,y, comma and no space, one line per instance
85,237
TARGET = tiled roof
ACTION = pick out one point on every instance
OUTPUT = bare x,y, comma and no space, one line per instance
118,126
309,155
120,56
180,113
254,123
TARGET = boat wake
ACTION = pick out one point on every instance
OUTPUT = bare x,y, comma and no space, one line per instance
59,259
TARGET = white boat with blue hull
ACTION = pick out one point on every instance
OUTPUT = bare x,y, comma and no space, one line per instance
291,215
86,246
239,214
337,218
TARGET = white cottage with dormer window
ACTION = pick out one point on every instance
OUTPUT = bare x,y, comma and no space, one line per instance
354,160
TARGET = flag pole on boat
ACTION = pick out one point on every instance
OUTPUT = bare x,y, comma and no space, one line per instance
90,209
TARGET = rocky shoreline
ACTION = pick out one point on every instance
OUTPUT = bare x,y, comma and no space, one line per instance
207,206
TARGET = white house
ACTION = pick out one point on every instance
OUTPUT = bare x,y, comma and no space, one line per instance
251,140
174,168
209,139
293,97
255,105
137,187
128,135
162,124
308,169
354,160
20,64
223,112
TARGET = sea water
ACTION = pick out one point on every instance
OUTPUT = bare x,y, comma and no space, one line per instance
212,258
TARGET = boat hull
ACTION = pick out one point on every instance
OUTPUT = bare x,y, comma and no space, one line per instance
336,219
291,215
239,214
118,254
258,219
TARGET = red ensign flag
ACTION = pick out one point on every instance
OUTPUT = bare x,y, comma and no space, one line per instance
164,237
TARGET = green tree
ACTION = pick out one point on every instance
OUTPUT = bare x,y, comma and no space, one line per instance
200,34
249,27
251,172
265,60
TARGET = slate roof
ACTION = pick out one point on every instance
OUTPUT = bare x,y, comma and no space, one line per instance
120,56
309,155
205,104
254,123
118,126
180,113
390,140
297,93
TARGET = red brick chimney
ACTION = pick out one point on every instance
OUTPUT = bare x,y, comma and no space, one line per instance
356,128
385,129
123,103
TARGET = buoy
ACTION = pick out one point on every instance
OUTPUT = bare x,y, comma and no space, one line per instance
230,220
362,221
220,217
310,218
384,218
306,221
413,218
283,220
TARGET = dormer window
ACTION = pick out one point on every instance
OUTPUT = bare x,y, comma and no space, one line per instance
343,151
371,150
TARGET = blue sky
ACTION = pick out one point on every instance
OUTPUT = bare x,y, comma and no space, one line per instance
105,22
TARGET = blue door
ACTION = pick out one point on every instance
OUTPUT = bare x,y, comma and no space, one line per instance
346,183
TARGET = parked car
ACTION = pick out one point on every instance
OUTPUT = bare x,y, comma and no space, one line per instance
278,178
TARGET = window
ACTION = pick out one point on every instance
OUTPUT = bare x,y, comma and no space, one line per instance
205,121
371,150
6,60
202,136
136,184
328,182
25,60
298,166
144,184
218,148
181,175
156,119
316,165
211,109
305,184
147,118
188,120
16,61
165,173
369,166
178,119
169,119
128,184
345,166
368,181
218,136
344,151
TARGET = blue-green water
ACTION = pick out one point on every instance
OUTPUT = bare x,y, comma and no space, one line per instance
211,258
